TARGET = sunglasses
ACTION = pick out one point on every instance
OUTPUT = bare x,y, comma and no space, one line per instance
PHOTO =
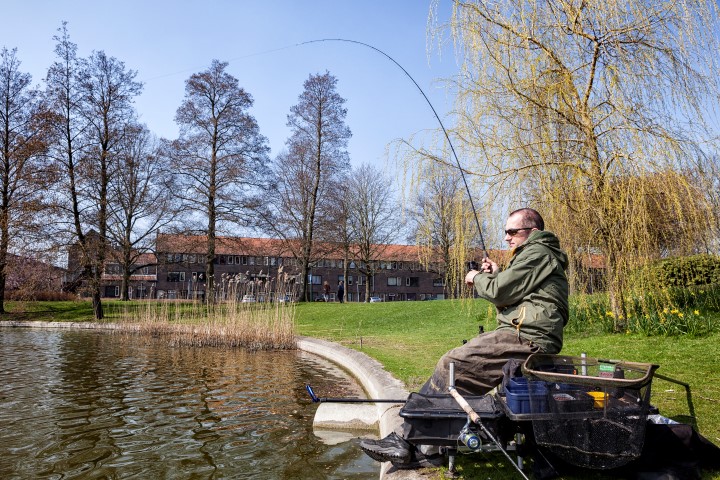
514,231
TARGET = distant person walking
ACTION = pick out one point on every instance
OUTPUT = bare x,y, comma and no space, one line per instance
326,291
341,291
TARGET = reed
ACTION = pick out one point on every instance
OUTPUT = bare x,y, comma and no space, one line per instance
251,315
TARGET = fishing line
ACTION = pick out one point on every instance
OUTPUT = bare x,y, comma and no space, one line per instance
452,148
422,92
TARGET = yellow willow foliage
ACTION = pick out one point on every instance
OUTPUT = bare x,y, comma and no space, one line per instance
444,228
597,113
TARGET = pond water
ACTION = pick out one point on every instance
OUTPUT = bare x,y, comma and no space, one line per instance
88,404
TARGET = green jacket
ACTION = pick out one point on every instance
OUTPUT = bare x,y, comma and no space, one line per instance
531,294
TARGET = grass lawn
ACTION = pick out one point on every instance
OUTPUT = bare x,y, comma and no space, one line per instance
409,337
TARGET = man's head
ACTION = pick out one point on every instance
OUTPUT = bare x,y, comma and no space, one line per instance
520,224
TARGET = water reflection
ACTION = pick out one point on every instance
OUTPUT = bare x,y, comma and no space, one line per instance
79,404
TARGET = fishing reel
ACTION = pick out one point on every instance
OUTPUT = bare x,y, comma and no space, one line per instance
473,265
469,438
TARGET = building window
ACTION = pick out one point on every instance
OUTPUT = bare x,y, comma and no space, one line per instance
350,280
438,282
176,276
230,260
112,269
412,281
394,281
252,260
315,279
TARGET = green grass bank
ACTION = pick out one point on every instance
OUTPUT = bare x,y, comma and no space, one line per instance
408,338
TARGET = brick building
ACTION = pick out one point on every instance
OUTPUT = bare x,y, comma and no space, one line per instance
177,270
181,269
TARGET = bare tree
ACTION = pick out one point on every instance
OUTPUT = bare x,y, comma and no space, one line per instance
308,172
108,91
66,125
339,228
220,157
23,173
563,104
374,218
440,225
141,200
89,102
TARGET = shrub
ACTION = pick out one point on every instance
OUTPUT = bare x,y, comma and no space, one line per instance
681,272
39,296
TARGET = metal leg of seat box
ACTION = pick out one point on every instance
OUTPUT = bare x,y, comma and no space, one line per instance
518,443
451,452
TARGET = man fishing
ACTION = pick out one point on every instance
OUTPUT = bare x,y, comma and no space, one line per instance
531,297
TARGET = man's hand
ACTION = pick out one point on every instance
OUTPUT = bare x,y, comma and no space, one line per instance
488,266
470,277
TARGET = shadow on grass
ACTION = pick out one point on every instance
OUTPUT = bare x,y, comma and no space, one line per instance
48,311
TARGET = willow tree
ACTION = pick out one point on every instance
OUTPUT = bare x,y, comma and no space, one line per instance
441,225
580,108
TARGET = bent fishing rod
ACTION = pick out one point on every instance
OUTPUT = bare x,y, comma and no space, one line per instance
442,126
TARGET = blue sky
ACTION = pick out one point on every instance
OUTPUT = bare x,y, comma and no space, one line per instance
166,41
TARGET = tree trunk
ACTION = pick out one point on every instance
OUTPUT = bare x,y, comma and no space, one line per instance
97,304
616,293
306,291
125,287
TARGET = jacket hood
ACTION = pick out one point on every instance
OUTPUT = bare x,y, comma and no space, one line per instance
548,240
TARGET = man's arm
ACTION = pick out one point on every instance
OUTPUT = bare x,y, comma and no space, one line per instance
510,286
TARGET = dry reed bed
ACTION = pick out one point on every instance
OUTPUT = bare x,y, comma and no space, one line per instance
256,326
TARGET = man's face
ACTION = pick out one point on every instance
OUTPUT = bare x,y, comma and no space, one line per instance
520,232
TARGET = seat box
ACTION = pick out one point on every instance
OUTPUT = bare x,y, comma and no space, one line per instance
438,419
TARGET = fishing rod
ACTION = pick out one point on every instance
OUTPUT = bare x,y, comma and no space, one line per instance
317,399
447,136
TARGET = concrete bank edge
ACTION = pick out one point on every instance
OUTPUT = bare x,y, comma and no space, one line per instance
377,382
371,375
